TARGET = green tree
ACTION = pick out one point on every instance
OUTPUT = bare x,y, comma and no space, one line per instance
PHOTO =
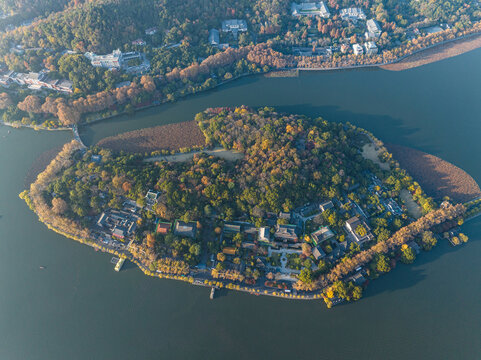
382,264
407,254
306,276
428,240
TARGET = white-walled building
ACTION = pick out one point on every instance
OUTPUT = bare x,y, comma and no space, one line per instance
234,25
371,48
310,9
214,37
352,14
373,29
357,49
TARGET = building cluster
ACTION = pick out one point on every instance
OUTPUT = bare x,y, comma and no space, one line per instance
117,224
179,228
389,204
310,9
358,230
370,48
117,60
139,42
151,31
35,81
352,14
233,26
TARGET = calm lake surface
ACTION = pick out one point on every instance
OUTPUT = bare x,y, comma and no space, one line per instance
79,308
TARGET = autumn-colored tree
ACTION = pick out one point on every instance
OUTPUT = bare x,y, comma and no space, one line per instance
59,206
306,249
31,104
117,181
148,83
67,115
126,186
150,240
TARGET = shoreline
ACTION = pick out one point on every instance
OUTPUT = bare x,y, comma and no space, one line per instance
437,52
195,276
427,55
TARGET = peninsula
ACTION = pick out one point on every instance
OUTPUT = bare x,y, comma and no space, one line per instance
300,211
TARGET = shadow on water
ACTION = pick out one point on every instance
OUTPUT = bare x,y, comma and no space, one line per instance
128,265
412,274
384,127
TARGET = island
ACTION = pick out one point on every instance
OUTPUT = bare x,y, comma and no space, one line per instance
263,202
89,61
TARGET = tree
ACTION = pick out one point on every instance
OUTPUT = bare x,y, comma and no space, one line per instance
361,231
428,240
463,237
59,206
407,254
306,276
148,83
306,249
356,293
221,257
382,264
323,266
31,104
67,115
150,240
195,249
126,186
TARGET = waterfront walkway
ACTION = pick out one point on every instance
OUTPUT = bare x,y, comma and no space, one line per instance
76,136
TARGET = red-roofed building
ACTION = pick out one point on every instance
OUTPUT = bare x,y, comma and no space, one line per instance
163,228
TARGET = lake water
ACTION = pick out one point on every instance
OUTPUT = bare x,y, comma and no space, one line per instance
79,308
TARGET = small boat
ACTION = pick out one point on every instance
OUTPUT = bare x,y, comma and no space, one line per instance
42,267
212,293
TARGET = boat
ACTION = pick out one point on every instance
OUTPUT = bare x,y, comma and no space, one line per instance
212,293
42,267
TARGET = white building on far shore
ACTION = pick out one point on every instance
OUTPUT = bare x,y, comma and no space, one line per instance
357,49
310,9
373,30
371,48
352,14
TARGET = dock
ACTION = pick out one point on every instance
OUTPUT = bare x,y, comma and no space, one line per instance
119,265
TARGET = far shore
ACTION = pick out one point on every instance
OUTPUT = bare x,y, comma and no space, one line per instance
436,53
427,55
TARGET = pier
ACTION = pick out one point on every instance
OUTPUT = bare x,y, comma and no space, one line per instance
119,265
77,136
